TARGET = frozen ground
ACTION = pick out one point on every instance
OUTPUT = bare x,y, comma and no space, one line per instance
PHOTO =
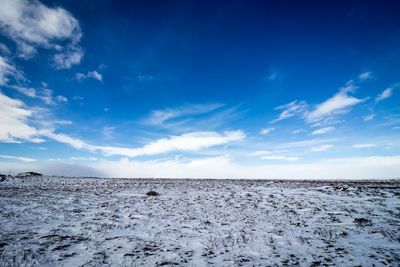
51,221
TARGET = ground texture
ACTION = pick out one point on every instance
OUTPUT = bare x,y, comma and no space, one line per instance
47,221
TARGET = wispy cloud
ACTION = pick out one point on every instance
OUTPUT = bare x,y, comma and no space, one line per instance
321,148
388,92
337,104
160,117
66,139
193,117
27,91
260,153
14,121
4,50
14,127
62,99
273,76
363,145
304,143
285,158
365,76
186,142
21,123
72,56
24,159
9,71
266,131
44,93
323,130
108,132
89,75
298,131
291,109
146,78
83,158
369,117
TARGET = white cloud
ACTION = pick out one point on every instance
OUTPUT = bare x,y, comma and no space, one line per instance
34,23
24,159
291,109
201,117
62,99
186,142
388,92
223,167
43,118
66,139
321,148
323,130
14,127
365,76
4,50
108,132
193,141
260,153
27,91
30,24
89,75
159,117
45,94
337,104
369,117
298,131
7,71
328,121
305,143
363,145
68,58
83,158
286,158
266,131
374,167
14,121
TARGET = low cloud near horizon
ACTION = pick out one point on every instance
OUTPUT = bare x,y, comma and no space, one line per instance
222,167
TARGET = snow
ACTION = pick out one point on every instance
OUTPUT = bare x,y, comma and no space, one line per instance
47,221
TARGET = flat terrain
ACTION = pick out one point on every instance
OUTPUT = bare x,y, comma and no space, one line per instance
51,221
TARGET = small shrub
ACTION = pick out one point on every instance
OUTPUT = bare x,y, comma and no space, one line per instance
152,194
362,222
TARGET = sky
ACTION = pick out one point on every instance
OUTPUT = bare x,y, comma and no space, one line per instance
201,89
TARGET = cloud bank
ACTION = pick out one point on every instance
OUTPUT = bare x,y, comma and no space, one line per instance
223,167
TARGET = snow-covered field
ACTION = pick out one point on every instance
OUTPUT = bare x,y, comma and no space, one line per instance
49,221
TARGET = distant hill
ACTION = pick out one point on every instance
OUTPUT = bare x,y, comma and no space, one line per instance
28,174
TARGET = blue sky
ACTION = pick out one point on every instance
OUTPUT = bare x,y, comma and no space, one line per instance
264,89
